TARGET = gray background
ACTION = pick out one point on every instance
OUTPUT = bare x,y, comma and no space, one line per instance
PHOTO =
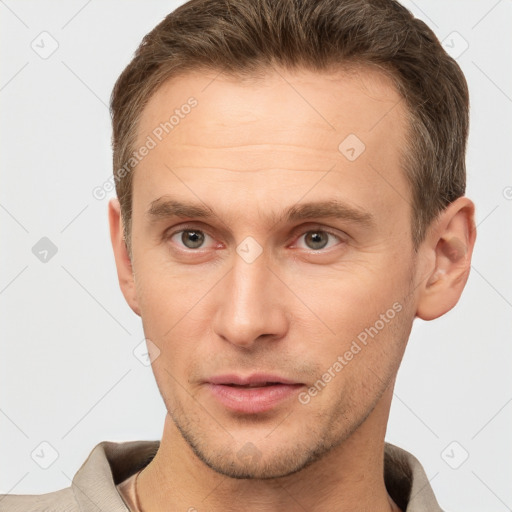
68,373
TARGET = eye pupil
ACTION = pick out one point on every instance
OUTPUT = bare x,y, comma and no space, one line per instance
316,239
192,239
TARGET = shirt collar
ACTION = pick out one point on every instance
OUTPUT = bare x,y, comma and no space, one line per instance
109,463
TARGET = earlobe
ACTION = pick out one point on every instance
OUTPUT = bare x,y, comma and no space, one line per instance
448,248
122,258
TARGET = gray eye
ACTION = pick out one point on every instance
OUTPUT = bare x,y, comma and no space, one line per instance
192,238
316,239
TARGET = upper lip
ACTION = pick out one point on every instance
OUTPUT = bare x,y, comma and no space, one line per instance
253,379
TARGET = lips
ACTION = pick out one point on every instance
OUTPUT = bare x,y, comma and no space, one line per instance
251,394
253,380
254,384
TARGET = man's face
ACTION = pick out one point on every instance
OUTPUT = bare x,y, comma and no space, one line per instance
303,268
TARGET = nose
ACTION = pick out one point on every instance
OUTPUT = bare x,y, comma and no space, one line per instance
251,305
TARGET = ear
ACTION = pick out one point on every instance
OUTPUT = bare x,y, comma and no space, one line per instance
123,262
447,251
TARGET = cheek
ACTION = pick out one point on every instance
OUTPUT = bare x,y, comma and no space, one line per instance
361,322
167,292
174,309
364,359
348,300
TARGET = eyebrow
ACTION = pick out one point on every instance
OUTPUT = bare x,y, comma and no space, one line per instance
165,207
327,209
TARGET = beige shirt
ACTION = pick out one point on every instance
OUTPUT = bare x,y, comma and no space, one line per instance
105,482
128,492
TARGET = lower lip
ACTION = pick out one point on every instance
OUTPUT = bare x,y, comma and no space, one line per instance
252,400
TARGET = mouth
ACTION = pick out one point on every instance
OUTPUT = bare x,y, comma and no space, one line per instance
252,394
253,385
253,380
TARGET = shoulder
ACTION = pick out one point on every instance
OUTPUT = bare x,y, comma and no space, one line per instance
57,501
93,487
406,481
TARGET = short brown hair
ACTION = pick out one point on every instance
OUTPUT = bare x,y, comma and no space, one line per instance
244,37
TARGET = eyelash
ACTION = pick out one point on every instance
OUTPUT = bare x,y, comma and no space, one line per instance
300,232
319,229
183,230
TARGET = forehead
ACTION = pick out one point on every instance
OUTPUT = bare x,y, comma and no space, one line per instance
298,122
359,100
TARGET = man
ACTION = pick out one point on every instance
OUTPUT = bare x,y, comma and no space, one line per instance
290,179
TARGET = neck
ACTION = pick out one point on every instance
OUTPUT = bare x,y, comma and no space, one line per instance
349,478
